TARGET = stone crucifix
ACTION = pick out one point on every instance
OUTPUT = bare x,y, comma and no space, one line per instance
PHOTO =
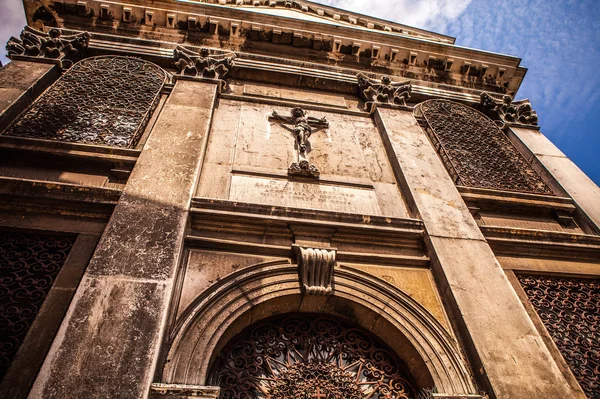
303,126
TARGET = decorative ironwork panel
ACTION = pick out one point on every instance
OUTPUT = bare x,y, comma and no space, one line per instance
28,266
101,100
570,310
307,356
475,151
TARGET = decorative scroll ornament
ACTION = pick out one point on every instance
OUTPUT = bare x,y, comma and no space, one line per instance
203,64
508,111
315,267
384,92
306,356
52,45
29,265
101,100
475,151
570,310
302,128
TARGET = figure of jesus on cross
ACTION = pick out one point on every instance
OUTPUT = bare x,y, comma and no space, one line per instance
302,128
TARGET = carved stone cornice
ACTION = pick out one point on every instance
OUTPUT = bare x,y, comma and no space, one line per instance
315,268
507,110
203,64
383,92
52,45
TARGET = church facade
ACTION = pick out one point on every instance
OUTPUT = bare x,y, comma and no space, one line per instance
281,199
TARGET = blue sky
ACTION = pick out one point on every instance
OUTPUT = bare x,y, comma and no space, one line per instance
558,40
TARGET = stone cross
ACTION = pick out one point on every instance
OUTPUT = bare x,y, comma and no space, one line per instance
302,128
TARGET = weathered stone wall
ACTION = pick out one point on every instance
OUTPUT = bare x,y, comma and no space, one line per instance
249,154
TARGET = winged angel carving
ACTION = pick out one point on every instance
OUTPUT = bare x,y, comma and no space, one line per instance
508,111
34,43
203,64
383,92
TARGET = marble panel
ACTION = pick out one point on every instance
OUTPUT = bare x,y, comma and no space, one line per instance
294,94
297,194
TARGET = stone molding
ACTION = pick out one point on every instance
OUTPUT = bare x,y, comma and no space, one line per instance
430,395
182,391
343,79
34,44
315,268
382,44
203,327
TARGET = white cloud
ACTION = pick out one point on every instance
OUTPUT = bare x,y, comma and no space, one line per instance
421,14
556,41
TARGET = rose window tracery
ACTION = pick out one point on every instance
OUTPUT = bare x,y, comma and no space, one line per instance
105,100
307,356
475,152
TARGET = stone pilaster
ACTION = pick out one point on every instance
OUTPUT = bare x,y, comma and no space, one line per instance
508,355
108,343
21,82
572,180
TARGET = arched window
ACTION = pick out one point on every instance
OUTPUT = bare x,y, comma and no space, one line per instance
475,151
309,356
105,100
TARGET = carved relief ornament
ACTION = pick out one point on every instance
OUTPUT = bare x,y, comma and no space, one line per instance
508,111
51,45
383,92
315,268
203,64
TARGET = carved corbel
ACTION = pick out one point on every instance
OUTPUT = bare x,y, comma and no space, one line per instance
383,92
508,111
315,268
52,45
203,64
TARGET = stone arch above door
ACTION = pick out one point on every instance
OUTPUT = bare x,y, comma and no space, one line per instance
256,293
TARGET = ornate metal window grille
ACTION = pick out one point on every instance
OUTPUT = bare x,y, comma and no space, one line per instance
101,100
475,151
307,356
28,266
570,310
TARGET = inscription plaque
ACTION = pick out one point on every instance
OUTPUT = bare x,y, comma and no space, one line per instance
294,194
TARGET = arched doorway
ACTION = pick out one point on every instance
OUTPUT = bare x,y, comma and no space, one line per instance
271,289
309,356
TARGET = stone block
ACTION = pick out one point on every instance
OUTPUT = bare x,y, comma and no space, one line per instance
570,178
205,268
507,343
105,349
437,199
537,142
418,284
